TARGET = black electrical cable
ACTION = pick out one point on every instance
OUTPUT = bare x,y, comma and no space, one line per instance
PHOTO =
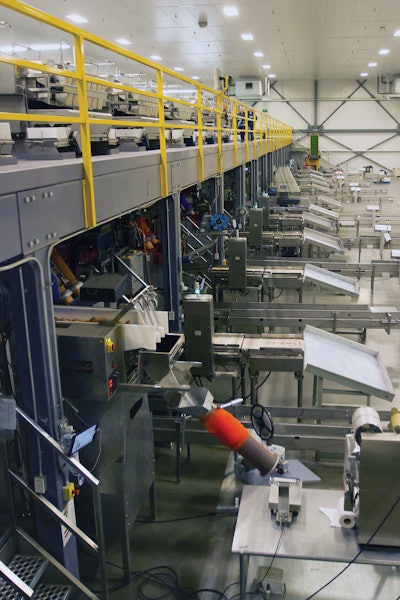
358,553
274,556
205,515
259,385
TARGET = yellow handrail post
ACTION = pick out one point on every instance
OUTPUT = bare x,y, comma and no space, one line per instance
246,134
235,135
163,141
89,204
219,132
200,133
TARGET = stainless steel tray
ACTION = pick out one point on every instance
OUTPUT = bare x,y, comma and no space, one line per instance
346,362
323,240
331,281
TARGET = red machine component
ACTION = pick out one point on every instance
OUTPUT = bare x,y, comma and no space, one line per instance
230,432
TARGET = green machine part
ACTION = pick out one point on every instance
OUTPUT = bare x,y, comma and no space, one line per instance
314,145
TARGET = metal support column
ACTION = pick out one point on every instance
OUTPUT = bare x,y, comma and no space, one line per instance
172,259
270,168
219,206
263,173
240,186
38,390
253,182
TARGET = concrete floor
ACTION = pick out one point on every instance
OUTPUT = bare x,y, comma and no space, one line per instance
191,538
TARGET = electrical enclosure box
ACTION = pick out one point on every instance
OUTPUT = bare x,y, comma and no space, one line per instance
88,360
198,310
135,261
255,226
263,202
249,88
105,287
237,277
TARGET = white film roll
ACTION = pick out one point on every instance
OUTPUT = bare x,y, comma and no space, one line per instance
347,519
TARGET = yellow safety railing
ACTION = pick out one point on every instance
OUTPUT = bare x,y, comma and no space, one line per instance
216,115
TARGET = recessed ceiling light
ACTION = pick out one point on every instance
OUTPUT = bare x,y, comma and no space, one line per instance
363,74
196,77
178,69
272,75
258,54
373,64
397,33
77,19
247,36
384,51
123,42
230,11
266,66
155,57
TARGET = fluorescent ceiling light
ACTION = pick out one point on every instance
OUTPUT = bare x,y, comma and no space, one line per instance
384,51
230,11
11,49
397,33
123,42
272,75
258,54
77,19
266,66
363,74
373,64
247,36
196,77
155,57
178,69
40,47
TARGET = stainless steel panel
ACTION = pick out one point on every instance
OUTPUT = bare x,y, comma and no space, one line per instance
237,257
10,237
379,517
123,191
126,464
89,360
344,361
49,213
255,226
198,312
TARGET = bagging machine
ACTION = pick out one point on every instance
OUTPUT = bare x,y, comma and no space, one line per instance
372,491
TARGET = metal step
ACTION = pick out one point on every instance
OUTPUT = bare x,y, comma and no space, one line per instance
46,591
28,568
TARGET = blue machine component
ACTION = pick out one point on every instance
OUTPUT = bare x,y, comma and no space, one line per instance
219,222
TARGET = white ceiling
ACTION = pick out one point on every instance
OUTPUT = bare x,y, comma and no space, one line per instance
300,39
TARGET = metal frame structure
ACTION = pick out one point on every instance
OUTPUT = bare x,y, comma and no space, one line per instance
46,203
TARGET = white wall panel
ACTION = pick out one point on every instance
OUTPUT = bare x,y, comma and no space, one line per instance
336,111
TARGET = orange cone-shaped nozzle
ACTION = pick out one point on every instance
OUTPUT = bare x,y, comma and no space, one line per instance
230,432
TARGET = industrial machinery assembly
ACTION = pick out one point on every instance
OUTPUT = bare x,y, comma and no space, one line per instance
154,260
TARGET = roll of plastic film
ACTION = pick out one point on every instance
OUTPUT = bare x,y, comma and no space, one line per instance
365,418
347,519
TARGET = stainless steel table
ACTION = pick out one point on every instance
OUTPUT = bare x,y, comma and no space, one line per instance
309,537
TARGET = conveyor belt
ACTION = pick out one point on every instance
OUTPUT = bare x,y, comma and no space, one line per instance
331,317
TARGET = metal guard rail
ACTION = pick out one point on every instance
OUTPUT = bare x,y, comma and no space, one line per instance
94,483
267,133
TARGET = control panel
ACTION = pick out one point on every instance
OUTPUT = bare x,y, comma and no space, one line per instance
89,360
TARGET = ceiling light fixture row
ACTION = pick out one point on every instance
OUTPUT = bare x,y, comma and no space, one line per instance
382,52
